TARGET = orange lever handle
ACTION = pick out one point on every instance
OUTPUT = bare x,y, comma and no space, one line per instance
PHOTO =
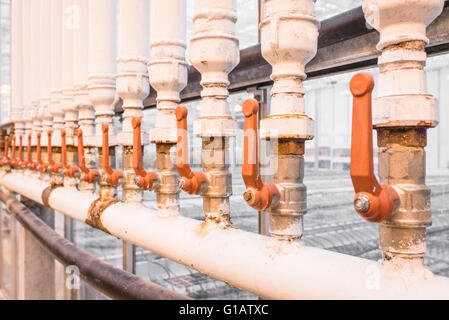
28,161
146,179
44,166
89,175
12,161
55,167
192,180
70,171
112,176
5,158
260,195
374,202
38,162
18,162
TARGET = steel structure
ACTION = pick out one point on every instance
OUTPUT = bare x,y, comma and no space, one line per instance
72,141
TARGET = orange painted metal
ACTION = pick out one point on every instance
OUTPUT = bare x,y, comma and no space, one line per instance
12,160
89,175
45,165
112,175
5,158
17,162
27,162
69,170
146,178
38,162
261,194
192,180
56,167
381,197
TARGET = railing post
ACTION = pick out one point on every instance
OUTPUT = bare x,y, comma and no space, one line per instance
36,268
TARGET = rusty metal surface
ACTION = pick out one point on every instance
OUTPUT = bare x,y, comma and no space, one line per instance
46,194
289,147
95,212
113,282
407,137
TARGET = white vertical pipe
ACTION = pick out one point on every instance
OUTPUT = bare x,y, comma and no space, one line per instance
86,113
214,52
35,64
17,106
167,67
102,62
288,51
56,69
69,23
45,66
26,57
133,51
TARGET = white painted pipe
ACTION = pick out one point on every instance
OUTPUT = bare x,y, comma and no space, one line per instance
70,22
133,51
402,98
288,51
167,66
45,67
26,57
86,112
102,64
35,64
56,69
264,266
214,52
17,101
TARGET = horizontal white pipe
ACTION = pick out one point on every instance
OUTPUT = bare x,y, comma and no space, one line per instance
258,264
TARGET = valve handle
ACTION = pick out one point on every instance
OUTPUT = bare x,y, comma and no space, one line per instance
112,176
373,201
192,180
19,161
259,195
27,161
56,167
5,158
38,162
44,166
12,161
89,175
69,170
147,179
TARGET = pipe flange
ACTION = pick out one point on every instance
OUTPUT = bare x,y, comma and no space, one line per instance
405,111
287,127
215,127
164,135
126,138
97,141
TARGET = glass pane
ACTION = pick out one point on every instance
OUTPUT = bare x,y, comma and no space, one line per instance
327,8
247,22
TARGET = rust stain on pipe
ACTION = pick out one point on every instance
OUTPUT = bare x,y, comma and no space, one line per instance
47,192
95,212
407,137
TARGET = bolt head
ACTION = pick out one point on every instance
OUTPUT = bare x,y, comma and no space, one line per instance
248,196
362,203
181,183
137,180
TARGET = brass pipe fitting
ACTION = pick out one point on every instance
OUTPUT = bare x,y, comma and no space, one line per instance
285,197
402,164
109,178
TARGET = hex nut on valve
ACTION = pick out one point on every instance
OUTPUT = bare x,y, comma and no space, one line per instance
362,203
